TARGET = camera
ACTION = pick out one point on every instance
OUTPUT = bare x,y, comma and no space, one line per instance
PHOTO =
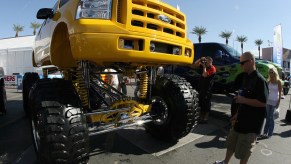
203,61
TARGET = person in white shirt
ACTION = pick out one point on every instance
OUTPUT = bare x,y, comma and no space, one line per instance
160,71
112,78
273,102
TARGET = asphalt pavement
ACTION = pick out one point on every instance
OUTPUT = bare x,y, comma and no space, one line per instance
203,145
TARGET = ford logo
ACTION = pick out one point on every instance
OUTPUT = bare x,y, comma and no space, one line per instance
164,18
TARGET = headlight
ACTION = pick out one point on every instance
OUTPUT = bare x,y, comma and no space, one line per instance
188,52
94,9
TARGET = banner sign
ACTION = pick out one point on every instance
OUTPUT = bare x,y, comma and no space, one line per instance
278,46
13,81
10,79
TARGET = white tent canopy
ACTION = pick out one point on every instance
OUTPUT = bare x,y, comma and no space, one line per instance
16,55
17,44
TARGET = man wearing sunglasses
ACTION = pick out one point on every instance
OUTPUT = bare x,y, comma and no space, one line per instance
248,120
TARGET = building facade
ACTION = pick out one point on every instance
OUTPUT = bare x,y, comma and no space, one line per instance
267,54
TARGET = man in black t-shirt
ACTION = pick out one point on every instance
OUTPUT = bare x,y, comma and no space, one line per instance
248,120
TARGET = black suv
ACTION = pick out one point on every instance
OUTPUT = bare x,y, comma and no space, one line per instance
226,61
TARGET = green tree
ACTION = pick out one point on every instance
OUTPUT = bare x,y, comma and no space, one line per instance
259,42
34,26
225,35
199,31
241,39
17,28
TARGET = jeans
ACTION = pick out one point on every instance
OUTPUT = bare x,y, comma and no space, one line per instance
205,101
123,88
269,127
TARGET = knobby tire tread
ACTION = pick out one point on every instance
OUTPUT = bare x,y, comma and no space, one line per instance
62,126
29,79
183,103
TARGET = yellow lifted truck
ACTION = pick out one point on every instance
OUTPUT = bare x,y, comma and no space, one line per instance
83,38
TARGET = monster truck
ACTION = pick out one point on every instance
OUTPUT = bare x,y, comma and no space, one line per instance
82,38
226,61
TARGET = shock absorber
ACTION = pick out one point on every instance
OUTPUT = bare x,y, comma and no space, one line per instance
81,86
143,87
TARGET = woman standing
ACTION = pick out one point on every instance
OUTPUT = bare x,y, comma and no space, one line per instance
273,102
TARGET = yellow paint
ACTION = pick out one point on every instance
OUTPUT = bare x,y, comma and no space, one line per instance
63,40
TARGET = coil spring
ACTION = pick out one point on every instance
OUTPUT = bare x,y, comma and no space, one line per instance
81,88
143,87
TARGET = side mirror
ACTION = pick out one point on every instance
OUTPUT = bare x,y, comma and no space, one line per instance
45,13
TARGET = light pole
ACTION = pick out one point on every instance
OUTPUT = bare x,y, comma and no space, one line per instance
271,44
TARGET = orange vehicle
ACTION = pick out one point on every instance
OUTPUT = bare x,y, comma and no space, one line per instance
82,38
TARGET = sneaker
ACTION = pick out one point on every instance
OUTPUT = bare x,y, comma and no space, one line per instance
219,162
262,137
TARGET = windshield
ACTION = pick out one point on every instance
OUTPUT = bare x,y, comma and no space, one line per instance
231,50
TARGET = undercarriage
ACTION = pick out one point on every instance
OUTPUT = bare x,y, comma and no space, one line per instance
82,103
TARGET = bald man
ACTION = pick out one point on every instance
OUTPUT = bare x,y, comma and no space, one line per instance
248,121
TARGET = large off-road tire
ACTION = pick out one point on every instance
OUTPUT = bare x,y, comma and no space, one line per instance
59,126
174,108
2,97
28,80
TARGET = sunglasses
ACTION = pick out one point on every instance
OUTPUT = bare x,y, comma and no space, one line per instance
243,62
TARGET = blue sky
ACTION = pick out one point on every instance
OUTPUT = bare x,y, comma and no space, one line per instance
255,19
21,12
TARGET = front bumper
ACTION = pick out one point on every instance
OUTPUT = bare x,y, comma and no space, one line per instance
104,48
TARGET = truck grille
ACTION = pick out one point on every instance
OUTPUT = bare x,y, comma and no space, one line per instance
150,15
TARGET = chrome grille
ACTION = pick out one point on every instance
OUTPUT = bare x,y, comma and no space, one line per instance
148,15
119,10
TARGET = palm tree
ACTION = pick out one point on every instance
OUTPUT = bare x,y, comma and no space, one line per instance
35,26
241,39
199,31
226,35
258,42
17,28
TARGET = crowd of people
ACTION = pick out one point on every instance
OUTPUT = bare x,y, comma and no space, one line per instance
256,100
253,110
